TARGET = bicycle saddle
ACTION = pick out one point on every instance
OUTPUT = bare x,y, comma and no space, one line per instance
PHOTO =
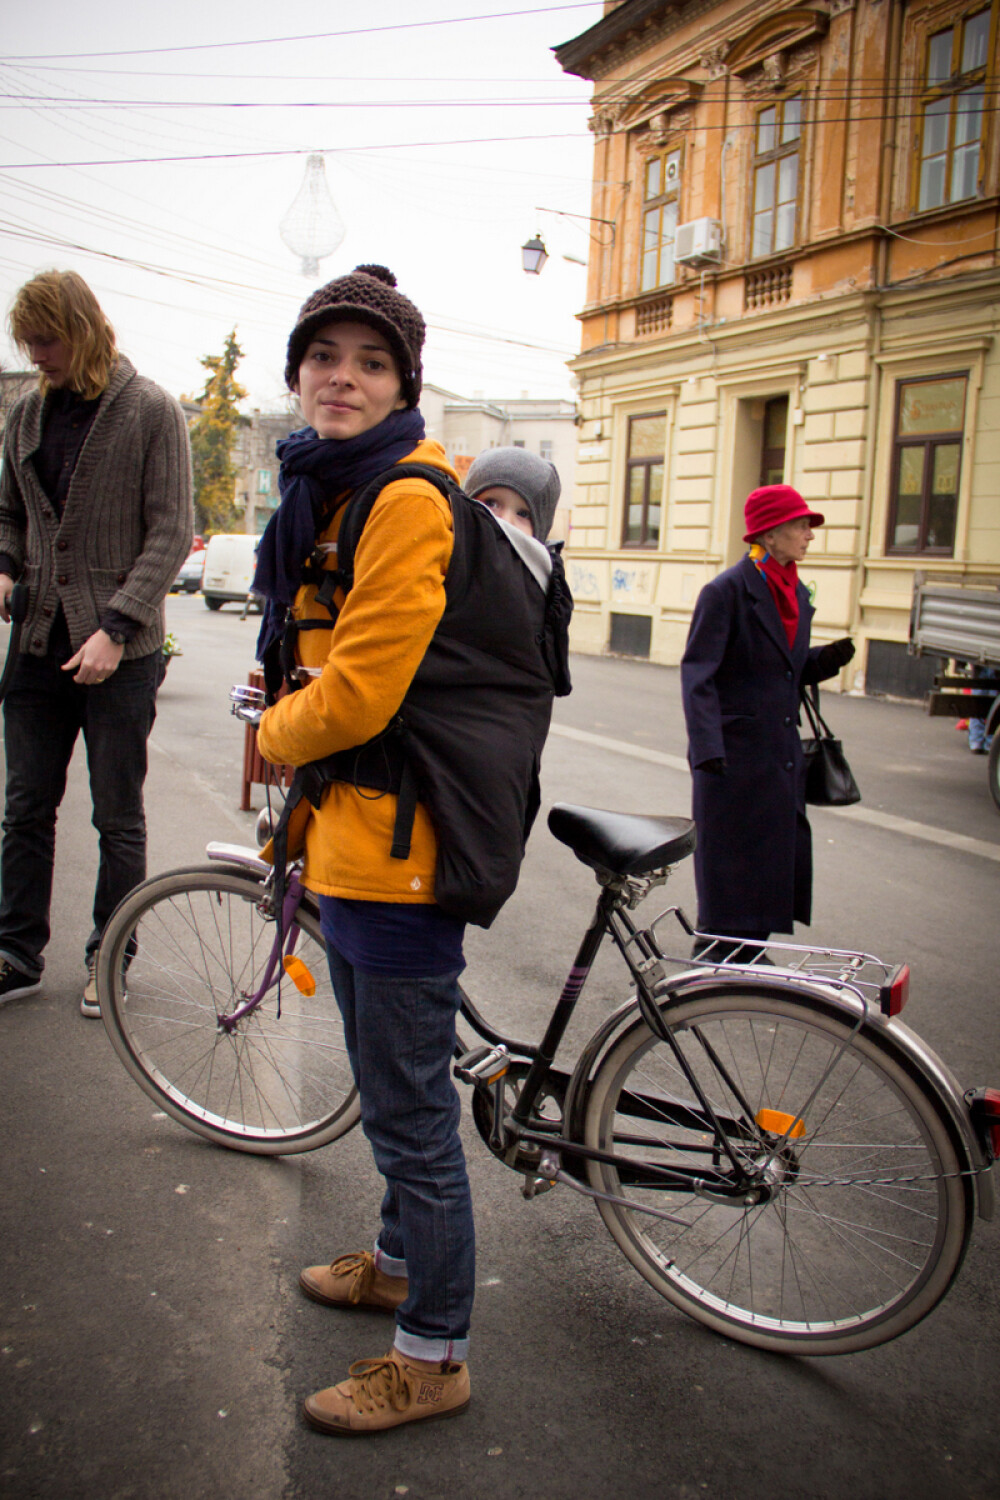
624,843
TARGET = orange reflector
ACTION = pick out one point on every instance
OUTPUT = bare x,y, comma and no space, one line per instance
777,1122
299,974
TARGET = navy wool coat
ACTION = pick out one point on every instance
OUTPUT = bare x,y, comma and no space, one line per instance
740,684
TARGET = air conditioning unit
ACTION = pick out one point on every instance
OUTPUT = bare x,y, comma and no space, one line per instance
698,243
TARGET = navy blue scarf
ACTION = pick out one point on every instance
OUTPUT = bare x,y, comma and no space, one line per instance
314,471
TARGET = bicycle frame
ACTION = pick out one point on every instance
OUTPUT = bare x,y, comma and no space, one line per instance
826,979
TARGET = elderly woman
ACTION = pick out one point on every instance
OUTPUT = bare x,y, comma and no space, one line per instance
746,660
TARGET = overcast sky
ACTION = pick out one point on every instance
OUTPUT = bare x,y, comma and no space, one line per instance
441,142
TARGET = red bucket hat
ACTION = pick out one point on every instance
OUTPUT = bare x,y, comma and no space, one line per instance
773,505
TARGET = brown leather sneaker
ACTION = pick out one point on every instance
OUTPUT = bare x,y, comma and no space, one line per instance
354,1281
384,1393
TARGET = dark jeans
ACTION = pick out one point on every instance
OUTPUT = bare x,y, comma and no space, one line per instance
44,711
400,1036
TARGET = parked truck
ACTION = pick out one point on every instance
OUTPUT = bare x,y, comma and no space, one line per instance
958,620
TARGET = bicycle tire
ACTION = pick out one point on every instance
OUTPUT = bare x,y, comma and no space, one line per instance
993,769
199,945
869,1217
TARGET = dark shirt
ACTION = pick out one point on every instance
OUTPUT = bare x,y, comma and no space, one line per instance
66,421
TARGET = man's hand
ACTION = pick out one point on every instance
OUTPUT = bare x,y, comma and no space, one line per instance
6,589
96,659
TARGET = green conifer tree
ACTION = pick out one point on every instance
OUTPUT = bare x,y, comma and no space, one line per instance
213,433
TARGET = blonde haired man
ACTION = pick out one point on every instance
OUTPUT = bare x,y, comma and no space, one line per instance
95,519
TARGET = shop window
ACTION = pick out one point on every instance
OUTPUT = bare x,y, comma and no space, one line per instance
926,468
777,141
661,199
644,481
951,126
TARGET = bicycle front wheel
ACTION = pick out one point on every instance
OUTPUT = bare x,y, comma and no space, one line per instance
181,954
864,1215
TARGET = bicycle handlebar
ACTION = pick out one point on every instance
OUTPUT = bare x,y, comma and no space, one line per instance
248,703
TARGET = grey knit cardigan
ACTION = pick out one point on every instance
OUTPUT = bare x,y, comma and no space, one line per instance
127,524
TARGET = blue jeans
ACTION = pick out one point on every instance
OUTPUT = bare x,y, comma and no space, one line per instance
44,712
400,1036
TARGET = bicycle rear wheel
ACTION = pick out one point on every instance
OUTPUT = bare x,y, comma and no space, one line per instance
865,1217
188,948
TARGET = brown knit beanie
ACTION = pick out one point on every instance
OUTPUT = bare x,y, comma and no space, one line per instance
367,295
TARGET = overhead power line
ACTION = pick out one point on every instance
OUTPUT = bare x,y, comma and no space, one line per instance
218,282
319,36
140,161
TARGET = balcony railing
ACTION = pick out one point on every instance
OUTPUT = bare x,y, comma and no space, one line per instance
767,287
655,316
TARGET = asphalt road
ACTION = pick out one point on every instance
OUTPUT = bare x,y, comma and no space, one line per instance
154,1345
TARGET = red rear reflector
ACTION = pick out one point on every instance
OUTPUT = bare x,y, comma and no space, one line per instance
984,1105
894,995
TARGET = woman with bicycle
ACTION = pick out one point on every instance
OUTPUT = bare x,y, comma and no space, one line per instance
747,658
429,670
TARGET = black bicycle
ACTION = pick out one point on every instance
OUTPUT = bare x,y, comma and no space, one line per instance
769,1145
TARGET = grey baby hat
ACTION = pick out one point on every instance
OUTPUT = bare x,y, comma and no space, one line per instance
531,477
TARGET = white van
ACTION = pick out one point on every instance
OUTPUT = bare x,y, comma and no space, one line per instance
230,559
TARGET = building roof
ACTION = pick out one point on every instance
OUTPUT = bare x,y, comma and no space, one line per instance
575,55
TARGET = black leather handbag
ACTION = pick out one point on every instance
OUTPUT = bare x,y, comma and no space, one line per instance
829,779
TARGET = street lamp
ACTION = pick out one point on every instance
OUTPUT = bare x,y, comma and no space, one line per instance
534,255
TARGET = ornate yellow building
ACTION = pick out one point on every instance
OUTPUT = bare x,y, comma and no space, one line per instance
795,277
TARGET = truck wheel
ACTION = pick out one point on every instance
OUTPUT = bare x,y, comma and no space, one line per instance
211,602
994,769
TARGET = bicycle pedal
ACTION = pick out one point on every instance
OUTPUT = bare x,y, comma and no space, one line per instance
533,1187
483,1065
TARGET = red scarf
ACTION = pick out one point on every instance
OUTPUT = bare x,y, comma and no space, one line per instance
783,582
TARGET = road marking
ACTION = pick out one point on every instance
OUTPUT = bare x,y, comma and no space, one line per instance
887,821
621,747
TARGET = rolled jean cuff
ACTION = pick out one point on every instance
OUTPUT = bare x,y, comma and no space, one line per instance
440,1350
389,1265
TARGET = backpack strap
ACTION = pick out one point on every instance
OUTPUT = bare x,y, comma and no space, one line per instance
360,506
388,769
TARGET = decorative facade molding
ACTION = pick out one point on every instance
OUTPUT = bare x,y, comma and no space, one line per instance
608,118
780,72
663,129
714,60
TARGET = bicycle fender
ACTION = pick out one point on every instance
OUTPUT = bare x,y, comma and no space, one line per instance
919,1059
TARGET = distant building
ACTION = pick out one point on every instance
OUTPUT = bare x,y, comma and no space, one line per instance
796,279
13,385
465,427
256,465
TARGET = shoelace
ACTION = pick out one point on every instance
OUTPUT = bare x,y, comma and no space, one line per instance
378,1382
359,1265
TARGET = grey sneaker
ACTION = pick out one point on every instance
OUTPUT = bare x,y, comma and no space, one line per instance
14,984
90,1005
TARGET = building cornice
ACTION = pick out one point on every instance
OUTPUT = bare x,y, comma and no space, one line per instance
820,318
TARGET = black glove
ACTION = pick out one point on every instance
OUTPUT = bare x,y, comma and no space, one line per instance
834,656
713,767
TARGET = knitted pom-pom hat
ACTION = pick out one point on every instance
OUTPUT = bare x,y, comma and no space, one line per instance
367,295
